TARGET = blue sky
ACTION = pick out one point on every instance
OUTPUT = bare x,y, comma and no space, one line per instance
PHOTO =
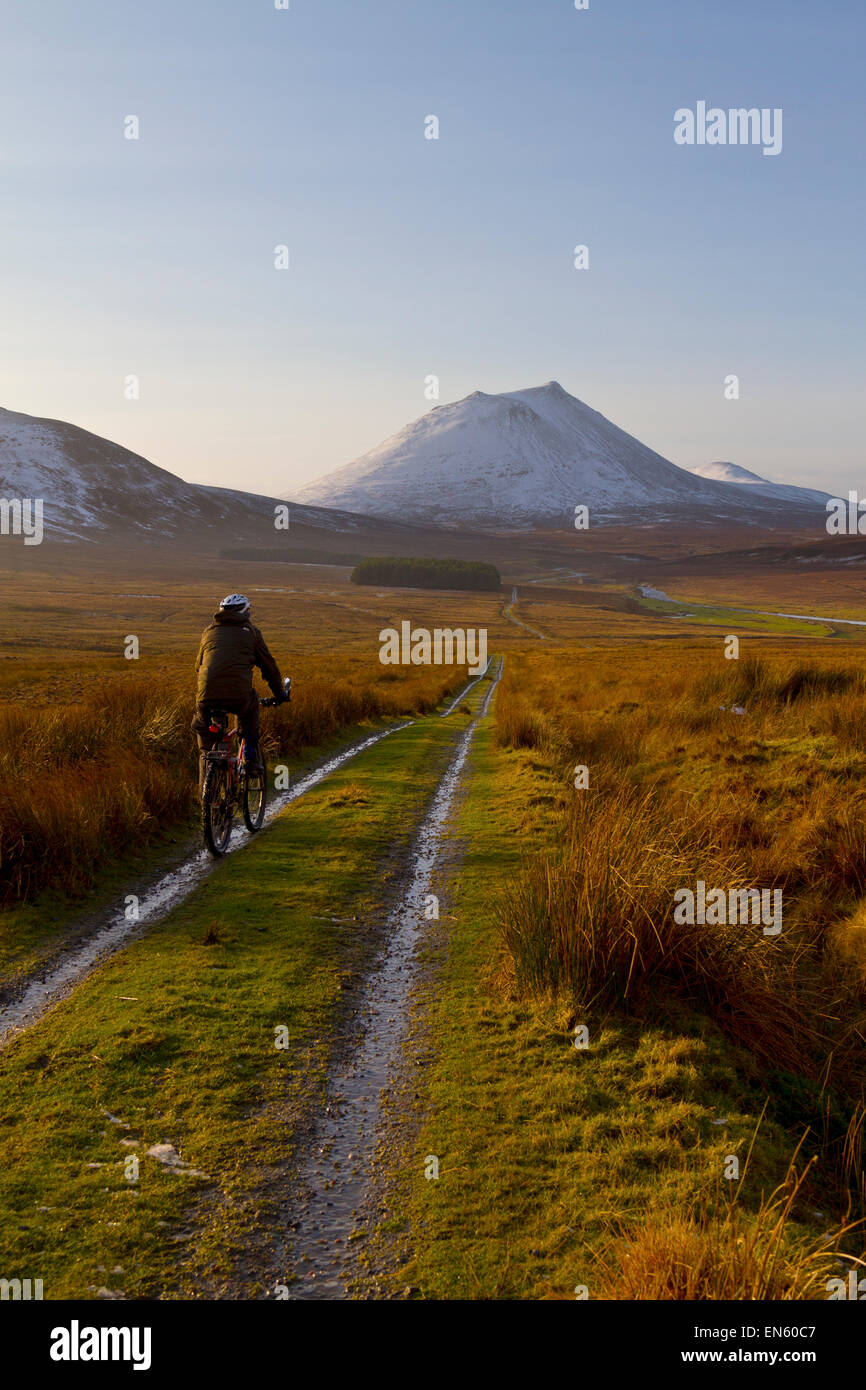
412,256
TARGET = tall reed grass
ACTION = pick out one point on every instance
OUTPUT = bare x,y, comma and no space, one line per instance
719,1251
683,787
765,800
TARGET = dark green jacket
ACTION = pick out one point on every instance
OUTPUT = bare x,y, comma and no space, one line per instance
230,648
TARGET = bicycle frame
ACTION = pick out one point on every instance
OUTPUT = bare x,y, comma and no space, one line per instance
224,755
228,782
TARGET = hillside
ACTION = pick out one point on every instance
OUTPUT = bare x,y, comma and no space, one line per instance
744,478
96,491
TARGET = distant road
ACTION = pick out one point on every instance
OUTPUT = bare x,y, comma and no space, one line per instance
647,591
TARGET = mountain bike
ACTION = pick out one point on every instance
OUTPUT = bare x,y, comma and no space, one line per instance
230,782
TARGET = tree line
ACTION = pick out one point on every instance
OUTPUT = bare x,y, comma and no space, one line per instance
426,574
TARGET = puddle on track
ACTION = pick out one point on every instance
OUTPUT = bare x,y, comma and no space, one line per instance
335,1176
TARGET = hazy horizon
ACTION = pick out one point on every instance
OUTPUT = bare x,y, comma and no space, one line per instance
412,257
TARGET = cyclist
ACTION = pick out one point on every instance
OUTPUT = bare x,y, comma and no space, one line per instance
230,648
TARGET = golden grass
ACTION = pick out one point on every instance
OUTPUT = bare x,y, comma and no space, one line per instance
681,790
83,782
719,1251
95,750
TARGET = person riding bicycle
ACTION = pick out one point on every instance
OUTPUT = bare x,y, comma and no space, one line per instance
230,648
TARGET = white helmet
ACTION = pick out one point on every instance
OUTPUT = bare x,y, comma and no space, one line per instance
236,603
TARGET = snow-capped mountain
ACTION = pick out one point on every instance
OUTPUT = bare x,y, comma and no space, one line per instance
742,477
528,458
95,490
489,462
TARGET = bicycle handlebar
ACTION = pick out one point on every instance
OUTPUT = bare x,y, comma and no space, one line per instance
271,700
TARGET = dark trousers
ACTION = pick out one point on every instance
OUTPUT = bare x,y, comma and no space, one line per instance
246,707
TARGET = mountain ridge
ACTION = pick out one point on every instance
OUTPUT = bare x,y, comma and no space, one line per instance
95,490
737,476
527,458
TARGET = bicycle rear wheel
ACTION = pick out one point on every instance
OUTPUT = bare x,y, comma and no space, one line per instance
254,797
216,810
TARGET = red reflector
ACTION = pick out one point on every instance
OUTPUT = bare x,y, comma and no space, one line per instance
214,728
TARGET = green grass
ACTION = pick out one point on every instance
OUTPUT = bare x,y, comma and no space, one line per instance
733,619
32,932
546,1151
175,1038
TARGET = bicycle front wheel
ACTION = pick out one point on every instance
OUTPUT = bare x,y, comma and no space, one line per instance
217,810
255,794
